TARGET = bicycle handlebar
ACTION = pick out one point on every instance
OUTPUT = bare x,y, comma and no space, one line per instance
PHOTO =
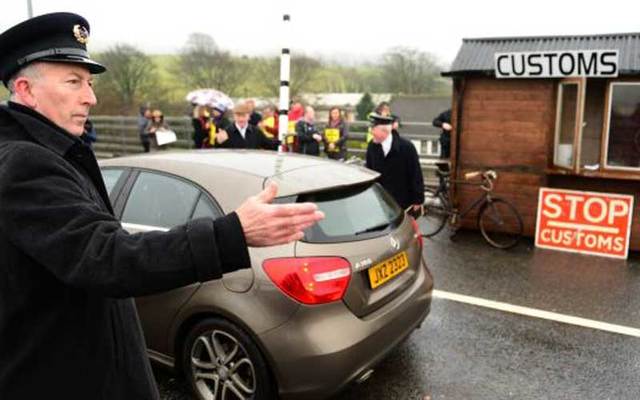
488,177
471,175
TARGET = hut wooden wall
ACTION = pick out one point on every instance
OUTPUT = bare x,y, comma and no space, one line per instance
506,125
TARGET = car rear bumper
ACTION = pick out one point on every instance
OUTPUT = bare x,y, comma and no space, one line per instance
314,357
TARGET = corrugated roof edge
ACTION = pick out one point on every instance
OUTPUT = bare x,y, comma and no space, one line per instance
491,72
550,37
472,58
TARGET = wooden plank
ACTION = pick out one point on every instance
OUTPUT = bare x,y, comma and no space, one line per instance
494,159
490,84
515,115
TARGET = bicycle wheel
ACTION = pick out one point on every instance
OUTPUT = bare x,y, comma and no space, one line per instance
500,224
434,215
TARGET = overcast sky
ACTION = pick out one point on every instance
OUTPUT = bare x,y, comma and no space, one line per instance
336,29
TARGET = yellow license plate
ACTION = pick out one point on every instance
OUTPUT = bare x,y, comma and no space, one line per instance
386,270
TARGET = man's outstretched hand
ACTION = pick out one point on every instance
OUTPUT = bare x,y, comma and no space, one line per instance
266,224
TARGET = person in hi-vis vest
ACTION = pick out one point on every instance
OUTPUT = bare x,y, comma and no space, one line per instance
335,135
218,123
296,112
269,123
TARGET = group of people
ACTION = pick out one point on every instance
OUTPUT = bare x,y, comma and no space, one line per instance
251,130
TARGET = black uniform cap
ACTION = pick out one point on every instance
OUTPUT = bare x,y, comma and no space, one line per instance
377,119
56,37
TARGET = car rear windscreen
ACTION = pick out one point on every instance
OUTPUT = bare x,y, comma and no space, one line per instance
353,213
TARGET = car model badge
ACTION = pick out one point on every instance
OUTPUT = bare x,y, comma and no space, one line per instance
394,243
81,33
362,264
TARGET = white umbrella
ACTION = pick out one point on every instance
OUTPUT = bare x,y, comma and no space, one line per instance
210,97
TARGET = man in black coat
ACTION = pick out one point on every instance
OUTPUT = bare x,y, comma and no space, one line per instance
68,271
443,121
309,137
396,159
242,135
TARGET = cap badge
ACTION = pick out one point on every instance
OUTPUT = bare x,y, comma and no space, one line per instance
81,33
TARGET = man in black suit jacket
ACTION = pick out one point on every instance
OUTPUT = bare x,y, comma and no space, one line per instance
396,159
242,135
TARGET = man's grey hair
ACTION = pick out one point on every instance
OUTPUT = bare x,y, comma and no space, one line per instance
31,71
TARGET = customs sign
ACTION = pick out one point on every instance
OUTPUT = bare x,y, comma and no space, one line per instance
557,64
584,222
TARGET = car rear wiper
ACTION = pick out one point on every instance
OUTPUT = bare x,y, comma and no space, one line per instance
373,228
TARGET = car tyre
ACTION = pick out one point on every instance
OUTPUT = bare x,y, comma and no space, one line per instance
221,362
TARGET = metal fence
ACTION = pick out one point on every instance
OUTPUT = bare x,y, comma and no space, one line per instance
119,136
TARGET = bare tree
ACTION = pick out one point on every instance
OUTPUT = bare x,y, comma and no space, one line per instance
131,74
409,71
203,65
303,70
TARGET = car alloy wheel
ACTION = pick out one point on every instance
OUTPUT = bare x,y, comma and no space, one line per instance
222,363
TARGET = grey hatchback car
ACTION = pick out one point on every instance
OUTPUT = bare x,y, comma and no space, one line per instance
308,317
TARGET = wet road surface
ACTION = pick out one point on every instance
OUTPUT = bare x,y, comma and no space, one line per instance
464,351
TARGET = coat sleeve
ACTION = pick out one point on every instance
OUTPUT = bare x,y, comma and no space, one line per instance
47,213
344,135
301,132
444,116
416,181
265,142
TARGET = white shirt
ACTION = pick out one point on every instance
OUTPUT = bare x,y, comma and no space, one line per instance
386,144
243,131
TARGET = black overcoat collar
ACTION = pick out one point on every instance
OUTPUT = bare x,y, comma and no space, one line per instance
61,142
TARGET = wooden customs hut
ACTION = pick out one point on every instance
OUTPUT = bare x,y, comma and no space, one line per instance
556,111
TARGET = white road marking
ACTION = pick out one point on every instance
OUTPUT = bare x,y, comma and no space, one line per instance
535,313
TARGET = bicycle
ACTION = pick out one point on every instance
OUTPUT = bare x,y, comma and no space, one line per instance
498,220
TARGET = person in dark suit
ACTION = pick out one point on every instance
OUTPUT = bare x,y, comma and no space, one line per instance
242,135
443,121
396,159
69,271
309,137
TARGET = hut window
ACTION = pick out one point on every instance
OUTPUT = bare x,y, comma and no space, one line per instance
593,116
566,124
623,137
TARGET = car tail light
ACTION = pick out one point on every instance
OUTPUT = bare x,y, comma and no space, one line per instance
418,234
310,280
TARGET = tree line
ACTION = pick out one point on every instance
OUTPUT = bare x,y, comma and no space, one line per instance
135,78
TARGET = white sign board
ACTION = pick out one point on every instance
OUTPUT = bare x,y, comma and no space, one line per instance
165,136
557,64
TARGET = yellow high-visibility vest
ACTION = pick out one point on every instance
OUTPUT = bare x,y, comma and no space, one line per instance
291,129
269,122
369,135
212,134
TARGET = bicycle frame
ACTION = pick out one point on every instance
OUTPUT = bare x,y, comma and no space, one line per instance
491,214
443,188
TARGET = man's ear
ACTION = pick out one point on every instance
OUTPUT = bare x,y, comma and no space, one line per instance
23,90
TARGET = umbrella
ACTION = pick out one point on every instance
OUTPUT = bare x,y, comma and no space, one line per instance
210,97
